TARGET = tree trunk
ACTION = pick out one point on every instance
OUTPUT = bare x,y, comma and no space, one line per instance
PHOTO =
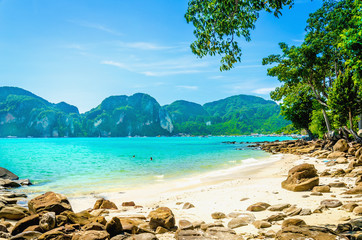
360,121
310,134
328,125
350,119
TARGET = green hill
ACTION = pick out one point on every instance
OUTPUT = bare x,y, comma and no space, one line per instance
23,114
117,116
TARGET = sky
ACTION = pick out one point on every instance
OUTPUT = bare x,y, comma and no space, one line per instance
83,51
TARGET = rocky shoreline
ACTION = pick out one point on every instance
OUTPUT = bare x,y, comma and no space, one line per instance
328,179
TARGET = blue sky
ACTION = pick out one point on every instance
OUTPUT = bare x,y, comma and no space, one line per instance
84,51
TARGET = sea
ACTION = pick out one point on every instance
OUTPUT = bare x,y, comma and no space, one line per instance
75,166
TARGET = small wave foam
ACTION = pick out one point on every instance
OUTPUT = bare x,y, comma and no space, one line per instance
249,161
159,176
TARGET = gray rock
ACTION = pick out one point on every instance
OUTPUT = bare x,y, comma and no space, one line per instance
9,183
279,207
331,203
47,221
143,236
6,174
305,212
190,235
185,225
222,233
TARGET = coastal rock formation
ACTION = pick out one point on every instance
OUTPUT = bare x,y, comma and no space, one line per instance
49,202
301,178
6,174
163,217
306,232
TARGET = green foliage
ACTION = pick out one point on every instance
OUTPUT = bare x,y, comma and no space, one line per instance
220,24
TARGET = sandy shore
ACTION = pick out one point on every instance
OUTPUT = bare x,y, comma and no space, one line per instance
232,191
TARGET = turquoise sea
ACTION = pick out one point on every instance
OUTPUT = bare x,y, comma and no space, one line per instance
90,165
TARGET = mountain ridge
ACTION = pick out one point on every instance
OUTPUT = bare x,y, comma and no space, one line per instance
23,114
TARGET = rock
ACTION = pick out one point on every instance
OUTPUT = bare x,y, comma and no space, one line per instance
278,207
322,189
30,235
341,146
306,232
197,224
185,225
355,190
357,210
189,235
204,227
6,174
341,160
320,209
61,220
331,203
114,227
293,222
163,217
276,217
24,223
188,206
104,204
49,202
301,178
13,212
91,235
292,210
316,194
143,236
349,207
6,183
338,173
161,230
3,228
47,221
121,236
337,184
24,182
82,218
305,212
218,215
261,224
35,228
57,233
222,233
237,222
335,155
257,207
128,204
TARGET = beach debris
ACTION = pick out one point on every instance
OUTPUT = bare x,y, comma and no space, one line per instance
301,178
218,215
163,217
257,207
49,202
104,204
188,205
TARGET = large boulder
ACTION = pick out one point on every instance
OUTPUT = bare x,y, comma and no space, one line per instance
6,174
163,217
301,178
13,212
83,218
341,146
114,227
49,202
24,223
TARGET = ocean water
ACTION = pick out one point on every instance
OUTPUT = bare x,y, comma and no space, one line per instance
92,165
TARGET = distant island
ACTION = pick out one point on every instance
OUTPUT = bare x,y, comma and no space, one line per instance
24,114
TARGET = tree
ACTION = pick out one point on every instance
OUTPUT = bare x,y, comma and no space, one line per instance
344,99
220,24
297,105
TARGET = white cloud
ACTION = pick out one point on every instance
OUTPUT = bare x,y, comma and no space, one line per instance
216,77
144,46
170,67
263,90
193,88
96,26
